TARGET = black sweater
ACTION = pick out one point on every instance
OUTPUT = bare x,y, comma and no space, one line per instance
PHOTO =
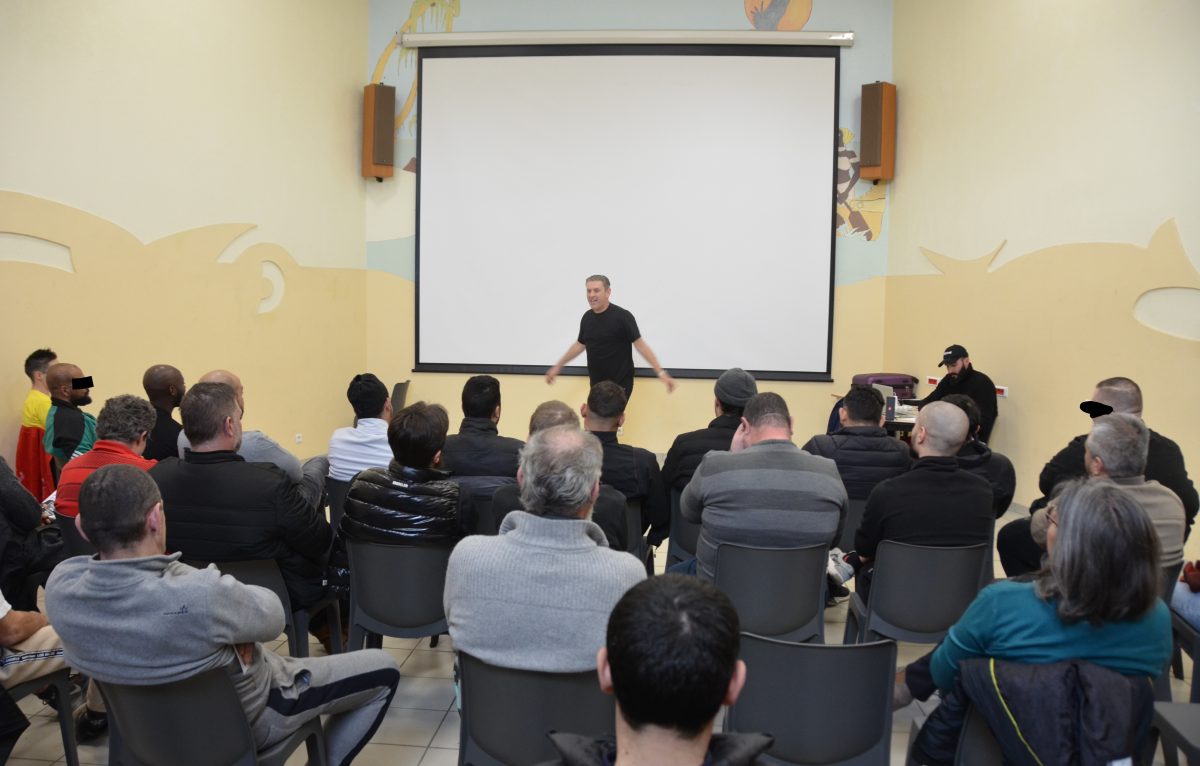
689,449
975,385
479,450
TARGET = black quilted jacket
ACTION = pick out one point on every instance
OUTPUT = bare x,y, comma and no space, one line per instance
403,506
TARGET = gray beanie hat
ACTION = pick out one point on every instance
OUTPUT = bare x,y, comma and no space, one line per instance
735,387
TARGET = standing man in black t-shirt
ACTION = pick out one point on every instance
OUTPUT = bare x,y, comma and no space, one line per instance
607,332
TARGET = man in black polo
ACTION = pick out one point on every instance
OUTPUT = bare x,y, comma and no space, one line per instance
962,378
607,332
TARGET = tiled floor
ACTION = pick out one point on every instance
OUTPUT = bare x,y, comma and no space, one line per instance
421,727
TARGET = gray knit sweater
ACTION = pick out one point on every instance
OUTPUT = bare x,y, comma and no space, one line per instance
772,494
538,595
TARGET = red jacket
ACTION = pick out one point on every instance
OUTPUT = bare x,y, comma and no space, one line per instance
105,452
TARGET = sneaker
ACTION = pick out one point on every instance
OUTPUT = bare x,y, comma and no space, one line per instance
90,725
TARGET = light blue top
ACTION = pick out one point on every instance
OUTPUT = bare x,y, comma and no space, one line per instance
1008,621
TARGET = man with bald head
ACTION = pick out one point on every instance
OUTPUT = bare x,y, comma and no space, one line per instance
70,431
164,388
257,447
935,503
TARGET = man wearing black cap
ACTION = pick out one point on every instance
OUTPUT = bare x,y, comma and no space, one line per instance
730,394
962,378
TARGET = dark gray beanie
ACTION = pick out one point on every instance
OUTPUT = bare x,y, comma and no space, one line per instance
735,387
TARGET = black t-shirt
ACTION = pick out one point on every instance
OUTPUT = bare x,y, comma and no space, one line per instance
608,337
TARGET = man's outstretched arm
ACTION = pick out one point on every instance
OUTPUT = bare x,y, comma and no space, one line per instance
575,350
643,348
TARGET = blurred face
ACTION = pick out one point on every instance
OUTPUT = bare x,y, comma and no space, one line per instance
78,396
955,368
180,390
597,296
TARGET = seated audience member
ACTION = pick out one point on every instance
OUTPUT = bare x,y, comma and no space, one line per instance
632,471
864,453
122,430
32,463
478,449
1186,597
1096,600
609,511
538,595
410,501
764,491
136,615
671,659
30,649
366,444
979,459
70,431
25,556
936,503
164,388
257,447
730,394
225,508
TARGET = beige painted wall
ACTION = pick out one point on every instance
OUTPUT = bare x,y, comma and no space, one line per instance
176,148
1055,135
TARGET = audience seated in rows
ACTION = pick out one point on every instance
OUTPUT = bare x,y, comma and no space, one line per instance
478,449
609,510
225,508
538,595
411,501
632,471
164,388
136,615
1095,601
257,447
26,557
864,452
365,445
32,463
671,659
765,491
730,393
1019,552
70,431
122,431
935,503
978,458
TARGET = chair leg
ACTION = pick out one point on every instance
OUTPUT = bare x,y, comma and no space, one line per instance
66,721
358,636
315,745
334,615
433,641
298,635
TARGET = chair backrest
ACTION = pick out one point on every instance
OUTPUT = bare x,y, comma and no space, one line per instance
481,489
977,746
778,592
262,572
918,591
337,489
825,704
196,721
398,587
400,395
74,543
854,515
507,713
635,540
1170,575
684,533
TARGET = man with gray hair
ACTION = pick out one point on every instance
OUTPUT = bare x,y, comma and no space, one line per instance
122,433
764,491
935,503
538,595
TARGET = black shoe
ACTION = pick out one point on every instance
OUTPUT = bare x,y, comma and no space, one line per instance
90,725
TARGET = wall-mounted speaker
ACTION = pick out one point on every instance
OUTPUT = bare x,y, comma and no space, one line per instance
877,133
379,143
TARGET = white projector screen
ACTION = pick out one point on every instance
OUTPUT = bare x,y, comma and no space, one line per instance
699,179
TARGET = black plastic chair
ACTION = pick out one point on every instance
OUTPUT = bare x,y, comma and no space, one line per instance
854,515
1178,725
60,681
635,538
824,704
74,543
917,592
265,573
977,746
1187,640
395,590
195,722
336,489
482,489
681,545
778,592
507,713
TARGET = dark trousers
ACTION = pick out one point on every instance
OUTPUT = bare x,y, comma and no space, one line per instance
1019,554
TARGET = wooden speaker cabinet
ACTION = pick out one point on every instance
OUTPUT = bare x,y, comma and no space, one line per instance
379,144
877,134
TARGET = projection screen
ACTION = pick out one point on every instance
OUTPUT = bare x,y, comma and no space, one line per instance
699,178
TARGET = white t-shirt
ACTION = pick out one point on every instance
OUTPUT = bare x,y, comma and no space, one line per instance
354,449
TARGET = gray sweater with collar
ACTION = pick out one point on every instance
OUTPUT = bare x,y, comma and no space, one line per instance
538,595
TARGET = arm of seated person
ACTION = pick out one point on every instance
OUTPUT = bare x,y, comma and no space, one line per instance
16,626
244,614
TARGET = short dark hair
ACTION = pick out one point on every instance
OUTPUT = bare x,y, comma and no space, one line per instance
1104,566
1122,394
672,647
480,396
864,404
367,395
114,502
550,414
204,409
967,405
124,418
767,408
606,400
417,433
39,361
598,278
